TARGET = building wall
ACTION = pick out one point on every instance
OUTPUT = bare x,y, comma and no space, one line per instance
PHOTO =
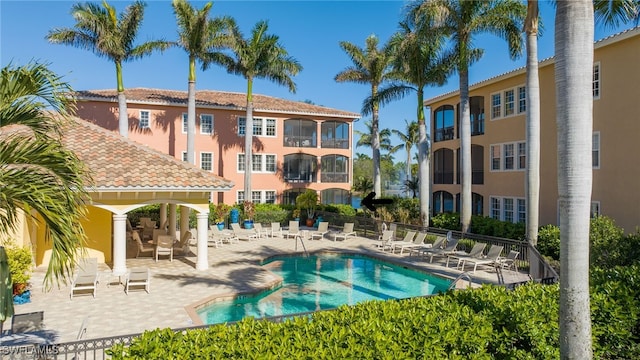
165,134
616,115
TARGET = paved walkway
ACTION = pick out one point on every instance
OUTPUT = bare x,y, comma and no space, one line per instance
176,286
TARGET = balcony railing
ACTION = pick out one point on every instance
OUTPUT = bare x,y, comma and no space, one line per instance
335,143
301,177
334,177
444,134
300,141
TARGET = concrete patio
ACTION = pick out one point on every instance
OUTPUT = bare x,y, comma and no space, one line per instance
177,286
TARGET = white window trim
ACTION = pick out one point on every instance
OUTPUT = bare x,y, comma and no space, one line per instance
206,152
148,120
184,156
599,148
264,126
503,103
515,210
184,122
596,64
518,99
202,132
264,163
591,208
516,158
263,195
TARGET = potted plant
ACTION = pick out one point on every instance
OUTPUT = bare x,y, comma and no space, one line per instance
249,213
20,267
308,200
221,211
296,214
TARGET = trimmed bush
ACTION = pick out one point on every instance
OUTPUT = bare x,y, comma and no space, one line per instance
549,241
449,221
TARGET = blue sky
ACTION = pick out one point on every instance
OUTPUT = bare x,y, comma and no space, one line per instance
309,30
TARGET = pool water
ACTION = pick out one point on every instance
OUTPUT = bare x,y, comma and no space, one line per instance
325,282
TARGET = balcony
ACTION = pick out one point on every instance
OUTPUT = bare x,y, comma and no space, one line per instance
300,141
334,177
335,143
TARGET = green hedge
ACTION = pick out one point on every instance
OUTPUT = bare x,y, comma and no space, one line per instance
487,323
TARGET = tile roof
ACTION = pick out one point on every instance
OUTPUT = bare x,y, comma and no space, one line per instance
120,164
215,99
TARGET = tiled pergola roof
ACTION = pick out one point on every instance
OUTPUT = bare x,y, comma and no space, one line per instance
215,99
119,164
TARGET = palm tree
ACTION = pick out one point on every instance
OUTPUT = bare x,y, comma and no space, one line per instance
409,138
532,98
463,20
574,117
419,61
261,56
370,67
201,38
366,138
37,174
98,29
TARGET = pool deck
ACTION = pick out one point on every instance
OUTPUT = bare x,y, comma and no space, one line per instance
177,287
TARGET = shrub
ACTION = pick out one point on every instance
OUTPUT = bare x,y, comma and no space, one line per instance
549,241
604,239
449,221
484,225
20,262
268,213
346,210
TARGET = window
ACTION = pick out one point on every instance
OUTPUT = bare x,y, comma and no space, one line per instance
256,164
595,152
508,156
509,102
443,166
496,106
508,209
495,208
596,80
334,134
258,196
595,209
335,196
261,126
206,161
206,124
184,156
241,166
300,133
443,123
335,169
495,157
300,168
522,156
270,197
522,99
522,211
270,163
185,123
260,163
442,202
144,119
507,159
240,197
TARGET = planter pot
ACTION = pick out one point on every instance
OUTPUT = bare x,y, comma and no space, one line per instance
23,298
310,222
248,224
220,225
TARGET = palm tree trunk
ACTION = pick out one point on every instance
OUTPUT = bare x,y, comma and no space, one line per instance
123,115
408,170
574,102
248,141
423,166
375,147
191,123
532,182
465,151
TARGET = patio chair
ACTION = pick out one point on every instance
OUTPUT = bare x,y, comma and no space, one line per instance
276,230
219,237
27,322
182,247
347,230
418,241
156,233
323,228
243,234
260,231
447,250
407,240
510,261
138,277
147,230
385,240
491,259
141,248
165,246
438,244
86,276
294,229
475,253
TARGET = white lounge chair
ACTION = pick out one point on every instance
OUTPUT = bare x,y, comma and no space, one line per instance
510,261
243,234
86,276
347,230
138,277
323,228
182,247
447,250
407,240
385,240
438,244
293,231
491,259
165,246
418,241
475,253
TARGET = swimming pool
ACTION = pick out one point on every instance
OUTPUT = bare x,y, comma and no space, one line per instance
325,281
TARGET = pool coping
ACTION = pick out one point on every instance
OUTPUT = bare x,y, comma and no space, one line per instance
192,309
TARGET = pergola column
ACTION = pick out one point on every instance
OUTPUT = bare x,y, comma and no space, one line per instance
163,214
184,219
172,219
119,244
202,262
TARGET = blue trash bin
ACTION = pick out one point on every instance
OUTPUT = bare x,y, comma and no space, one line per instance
234,215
